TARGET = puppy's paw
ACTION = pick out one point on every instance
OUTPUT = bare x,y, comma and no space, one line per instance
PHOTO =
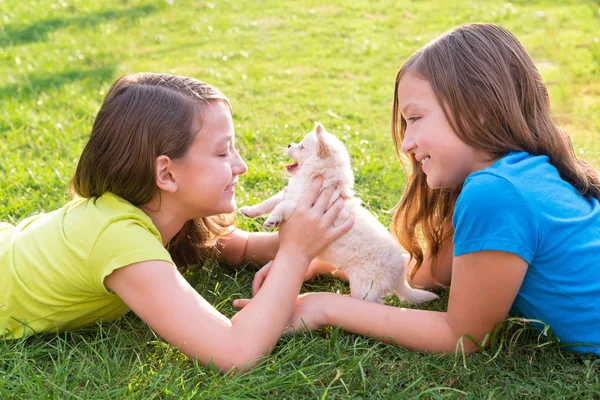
271,223
248,211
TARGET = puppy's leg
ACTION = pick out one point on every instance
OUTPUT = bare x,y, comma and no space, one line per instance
408,294
364,289
262,208
282,212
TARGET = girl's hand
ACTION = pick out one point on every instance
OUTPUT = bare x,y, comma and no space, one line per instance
311,228
315,268
308,313
260,277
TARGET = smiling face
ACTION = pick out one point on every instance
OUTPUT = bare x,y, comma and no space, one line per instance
207,174
429,138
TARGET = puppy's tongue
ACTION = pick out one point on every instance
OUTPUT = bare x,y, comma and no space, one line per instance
291,166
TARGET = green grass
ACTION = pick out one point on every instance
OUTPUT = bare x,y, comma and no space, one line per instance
284,65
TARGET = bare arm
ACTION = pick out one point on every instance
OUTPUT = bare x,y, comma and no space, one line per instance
159,295
162,298
484,286
241,246
318,267
443,275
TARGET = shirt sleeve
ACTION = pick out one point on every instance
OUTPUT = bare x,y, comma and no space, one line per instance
491,214
122,243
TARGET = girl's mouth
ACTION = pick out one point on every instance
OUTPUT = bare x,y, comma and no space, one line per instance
231,187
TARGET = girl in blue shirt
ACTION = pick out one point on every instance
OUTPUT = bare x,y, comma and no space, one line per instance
509,215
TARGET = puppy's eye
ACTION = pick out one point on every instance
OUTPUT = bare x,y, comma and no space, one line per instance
301,147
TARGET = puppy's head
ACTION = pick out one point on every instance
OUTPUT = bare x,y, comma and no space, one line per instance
318,151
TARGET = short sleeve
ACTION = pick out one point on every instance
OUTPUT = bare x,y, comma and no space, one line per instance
491,214
121,243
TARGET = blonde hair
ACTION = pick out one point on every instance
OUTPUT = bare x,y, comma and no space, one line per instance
143,116
495,100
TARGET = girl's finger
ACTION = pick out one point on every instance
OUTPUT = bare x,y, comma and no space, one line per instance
312,193
344,228
257,283
334,211
324,199
260,277
241,303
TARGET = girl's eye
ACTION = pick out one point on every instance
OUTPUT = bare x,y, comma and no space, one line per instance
413,119
226,154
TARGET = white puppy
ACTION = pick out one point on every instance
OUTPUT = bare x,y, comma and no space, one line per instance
368,254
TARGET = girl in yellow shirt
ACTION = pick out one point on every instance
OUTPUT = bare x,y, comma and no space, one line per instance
154,188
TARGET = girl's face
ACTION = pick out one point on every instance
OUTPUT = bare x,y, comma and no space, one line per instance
207,174
445,159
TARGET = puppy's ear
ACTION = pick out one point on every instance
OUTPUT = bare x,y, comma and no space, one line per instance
319,128
323,150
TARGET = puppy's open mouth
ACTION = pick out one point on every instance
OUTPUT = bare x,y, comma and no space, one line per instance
291,167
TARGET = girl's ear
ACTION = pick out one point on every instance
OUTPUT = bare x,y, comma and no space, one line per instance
162,171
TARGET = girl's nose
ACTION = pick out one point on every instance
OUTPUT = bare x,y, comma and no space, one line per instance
240,166
408,144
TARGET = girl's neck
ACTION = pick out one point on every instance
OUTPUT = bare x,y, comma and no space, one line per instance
165,218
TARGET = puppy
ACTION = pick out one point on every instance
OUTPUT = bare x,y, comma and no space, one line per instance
368,253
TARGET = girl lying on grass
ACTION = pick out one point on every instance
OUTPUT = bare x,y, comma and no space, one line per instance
509,215
154,188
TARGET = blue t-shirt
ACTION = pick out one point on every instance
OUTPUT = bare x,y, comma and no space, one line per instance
521,205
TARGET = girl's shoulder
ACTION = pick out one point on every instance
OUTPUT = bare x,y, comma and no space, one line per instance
530,176
106,208
527,187
517,166
87,219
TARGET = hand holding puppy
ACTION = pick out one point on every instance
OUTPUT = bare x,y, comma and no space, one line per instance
311,228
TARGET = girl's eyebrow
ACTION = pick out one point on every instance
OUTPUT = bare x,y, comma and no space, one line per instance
221,142
408,106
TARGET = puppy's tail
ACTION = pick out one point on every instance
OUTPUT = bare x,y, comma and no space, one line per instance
410,295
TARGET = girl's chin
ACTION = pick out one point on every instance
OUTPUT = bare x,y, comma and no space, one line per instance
433,184
430,181
230,208
439,185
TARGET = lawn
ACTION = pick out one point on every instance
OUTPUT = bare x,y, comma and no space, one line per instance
284,65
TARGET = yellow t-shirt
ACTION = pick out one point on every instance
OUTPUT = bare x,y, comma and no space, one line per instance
52,266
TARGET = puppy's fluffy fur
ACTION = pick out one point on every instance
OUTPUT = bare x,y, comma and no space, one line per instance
368,254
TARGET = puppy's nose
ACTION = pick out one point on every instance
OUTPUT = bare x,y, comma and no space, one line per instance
289,145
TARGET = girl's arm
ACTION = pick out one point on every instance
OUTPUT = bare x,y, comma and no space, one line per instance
261,247
443,273
484,286
241,246
316,267
160,296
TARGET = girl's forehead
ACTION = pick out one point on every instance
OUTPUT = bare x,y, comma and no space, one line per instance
211,111
210,115
414,93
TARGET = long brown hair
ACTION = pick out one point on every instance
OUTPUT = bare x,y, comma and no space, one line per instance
495,100
143,116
